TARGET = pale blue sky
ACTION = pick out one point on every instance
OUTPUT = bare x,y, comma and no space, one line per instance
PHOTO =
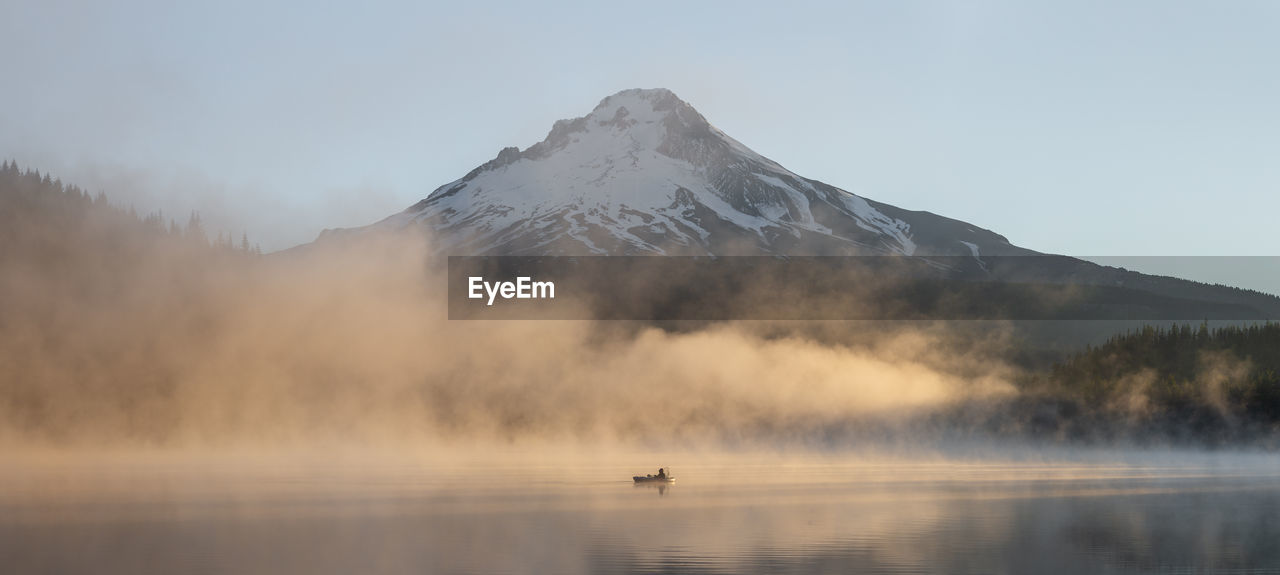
1081,127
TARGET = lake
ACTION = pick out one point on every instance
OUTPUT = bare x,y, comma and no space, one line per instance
541,511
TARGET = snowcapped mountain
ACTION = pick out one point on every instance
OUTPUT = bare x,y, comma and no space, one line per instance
645,173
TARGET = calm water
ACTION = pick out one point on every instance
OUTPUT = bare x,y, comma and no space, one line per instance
826,514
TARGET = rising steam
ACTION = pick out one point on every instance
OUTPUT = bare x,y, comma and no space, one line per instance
348,341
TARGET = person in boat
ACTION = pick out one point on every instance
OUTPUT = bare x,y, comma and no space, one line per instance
662,473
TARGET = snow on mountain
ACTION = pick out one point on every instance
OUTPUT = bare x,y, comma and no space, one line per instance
645,173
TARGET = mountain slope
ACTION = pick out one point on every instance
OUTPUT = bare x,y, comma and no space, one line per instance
645,173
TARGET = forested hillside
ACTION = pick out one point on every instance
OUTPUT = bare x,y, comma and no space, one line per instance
99,306
115,326
1181,383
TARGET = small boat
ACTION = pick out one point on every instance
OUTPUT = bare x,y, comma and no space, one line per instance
654,479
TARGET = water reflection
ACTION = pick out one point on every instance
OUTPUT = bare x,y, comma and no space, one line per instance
661,488
800,517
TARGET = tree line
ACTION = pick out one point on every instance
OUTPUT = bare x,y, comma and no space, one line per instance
1181,383
28,196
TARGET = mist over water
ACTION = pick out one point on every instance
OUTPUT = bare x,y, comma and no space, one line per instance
314,411
347,342
172,406
539,511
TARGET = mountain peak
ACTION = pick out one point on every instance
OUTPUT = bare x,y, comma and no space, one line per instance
651,102
628,121
634,95
644,172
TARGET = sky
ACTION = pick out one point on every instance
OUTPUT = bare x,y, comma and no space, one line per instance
1090,128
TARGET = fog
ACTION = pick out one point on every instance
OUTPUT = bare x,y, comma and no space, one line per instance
275,215
120,331
347,342
166,406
